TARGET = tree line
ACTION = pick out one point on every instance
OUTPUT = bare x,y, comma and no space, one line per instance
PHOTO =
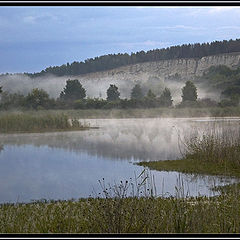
74,96
111,61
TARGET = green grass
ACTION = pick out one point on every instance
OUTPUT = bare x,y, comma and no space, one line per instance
117,212
193,167
15,123
128,215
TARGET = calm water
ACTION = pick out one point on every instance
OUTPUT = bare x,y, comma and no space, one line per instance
68,165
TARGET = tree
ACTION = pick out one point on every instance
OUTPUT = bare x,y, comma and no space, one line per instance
151,95
166,98
73,91
38,98
112,93
189,92
150,100
231,91
137,92
11,100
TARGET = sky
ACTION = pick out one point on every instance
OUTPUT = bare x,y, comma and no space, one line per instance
33,38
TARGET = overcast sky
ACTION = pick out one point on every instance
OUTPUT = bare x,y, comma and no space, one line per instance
33,38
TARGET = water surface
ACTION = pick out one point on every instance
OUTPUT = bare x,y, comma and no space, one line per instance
65,165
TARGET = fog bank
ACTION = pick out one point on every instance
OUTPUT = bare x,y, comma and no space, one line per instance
95,87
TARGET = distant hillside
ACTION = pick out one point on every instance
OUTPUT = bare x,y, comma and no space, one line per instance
155,75
223,79
112,61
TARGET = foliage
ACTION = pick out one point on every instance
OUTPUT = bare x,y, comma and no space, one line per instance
150,94
221,79
136,92
112,61
231,91
112,93
166,98
12,100
73,91
233,101
206,102
90,103
37,99
188,104
189,92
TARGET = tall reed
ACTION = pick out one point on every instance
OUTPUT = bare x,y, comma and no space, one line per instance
220,145
33,123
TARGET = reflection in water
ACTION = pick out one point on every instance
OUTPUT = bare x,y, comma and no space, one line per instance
125,139
67,165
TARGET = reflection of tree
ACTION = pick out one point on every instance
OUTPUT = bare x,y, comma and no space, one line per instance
137,131
114,134
140,139
1,147
153,134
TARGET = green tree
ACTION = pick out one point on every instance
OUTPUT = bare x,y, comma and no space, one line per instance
38,98
11,100
112,93
137,92
166,98
189,92
151,95
150,100
73,91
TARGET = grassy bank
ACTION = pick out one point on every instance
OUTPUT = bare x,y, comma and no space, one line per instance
141,113
216,152
125,208
14,123
194,167
128,215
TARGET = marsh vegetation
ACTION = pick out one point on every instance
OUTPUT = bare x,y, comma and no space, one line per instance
12,123
215,152
115,212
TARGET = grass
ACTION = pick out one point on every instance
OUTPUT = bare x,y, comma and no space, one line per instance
193,167
15,123
216,152
124,215
213,153
130,207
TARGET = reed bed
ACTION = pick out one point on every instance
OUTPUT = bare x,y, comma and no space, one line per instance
219,145
10,123
215,151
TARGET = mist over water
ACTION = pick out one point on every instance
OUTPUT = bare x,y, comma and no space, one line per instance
65,165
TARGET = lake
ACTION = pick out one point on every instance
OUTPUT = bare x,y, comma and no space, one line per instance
68,165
